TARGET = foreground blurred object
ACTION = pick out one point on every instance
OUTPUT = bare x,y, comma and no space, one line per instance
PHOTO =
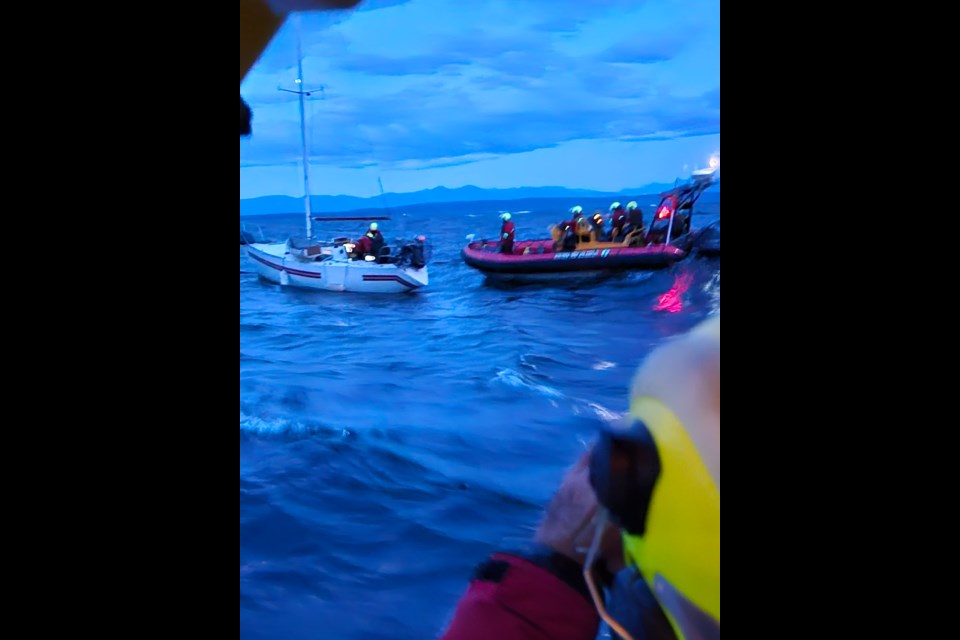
537,592
658,477
245,117
260,20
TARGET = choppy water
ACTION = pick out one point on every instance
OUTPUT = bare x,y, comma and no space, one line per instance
388,443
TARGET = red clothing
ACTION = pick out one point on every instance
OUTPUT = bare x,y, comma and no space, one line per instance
364,246
571,225
369,244
516,599
508,234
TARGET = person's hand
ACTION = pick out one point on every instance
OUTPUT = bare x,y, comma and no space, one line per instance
570,522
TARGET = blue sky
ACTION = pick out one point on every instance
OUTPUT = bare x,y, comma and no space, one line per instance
597,94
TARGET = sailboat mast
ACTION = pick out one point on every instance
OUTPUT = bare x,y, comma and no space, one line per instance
301,93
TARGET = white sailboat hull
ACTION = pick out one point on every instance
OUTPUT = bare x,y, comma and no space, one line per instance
276,264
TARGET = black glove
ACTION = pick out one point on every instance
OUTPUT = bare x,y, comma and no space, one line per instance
245,117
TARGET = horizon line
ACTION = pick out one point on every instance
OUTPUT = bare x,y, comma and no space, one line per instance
414,204
637,191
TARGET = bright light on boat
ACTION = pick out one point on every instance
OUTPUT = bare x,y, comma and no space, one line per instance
714,162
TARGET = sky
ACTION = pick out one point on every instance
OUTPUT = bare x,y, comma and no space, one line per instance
593,94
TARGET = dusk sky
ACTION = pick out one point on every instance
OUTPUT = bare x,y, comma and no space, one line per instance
595,94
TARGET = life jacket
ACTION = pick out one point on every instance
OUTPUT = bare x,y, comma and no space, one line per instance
376,242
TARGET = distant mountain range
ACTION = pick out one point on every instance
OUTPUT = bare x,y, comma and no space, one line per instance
440,195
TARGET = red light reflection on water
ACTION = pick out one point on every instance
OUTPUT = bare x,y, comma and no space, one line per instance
672,301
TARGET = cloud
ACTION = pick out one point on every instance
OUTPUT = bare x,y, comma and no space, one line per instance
712,98
567,16
371,5
482,86
646,50
470,47
394,129
425,64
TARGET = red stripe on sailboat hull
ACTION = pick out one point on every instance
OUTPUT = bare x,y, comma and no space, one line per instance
376,278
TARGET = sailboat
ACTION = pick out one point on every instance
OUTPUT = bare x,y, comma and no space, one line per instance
332,265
